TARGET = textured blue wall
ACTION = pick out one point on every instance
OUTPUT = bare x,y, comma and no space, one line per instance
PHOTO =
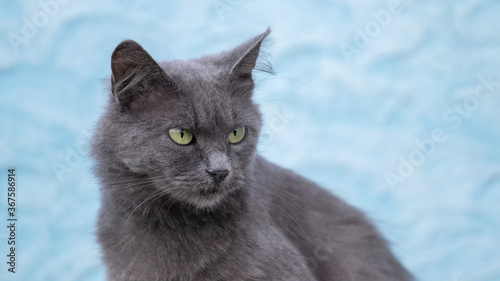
392,105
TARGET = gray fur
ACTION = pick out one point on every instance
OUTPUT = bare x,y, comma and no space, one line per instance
163,217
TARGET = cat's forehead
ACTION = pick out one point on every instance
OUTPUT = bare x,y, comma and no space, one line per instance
203,99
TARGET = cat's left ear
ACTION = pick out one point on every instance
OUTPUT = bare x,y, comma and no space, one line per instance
244,57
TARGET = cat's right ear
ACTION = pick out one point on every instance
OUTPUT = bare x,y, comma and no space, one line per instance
135,74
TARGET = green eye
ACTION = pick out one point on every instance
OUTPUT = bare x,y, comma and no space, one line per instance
237,135
180,136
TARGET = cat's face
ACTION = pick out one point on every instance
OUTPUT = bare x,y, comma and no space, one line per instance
189,126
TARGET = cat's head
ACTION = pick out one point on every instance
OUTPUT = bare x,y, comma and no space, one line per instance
189,126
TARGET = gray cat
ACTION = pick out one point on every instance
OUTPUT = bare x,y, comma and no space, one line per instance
185,196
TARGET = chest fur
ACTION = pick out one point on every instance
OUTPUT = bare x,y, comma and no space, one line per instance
181,251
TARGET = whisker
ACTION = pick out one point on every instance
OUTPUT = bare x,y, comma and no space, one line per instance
158,192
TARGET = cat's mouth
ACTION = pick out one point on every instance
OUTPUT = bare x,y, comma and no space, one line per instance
209,191
203,194
213,190
209,197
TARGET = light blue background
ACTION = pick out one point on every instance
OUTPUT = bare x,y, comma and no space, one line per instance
342,121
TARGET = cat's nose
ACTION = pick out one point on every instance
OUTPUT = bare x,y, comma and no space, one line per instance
218,175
